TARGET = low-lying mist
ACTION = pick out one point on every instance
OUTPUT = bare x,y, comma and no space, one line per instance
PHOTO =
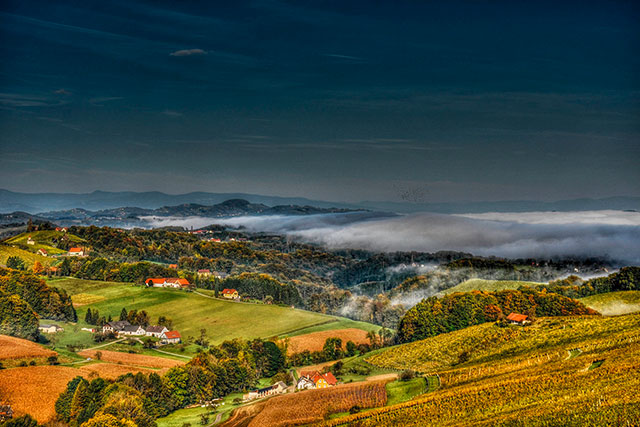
607,234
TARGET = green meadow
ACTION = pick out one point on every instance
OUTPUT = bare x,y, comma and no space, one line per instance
192,312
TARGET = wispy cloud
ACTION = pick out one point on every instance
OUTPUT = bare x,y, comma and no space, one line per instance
188,52
62,92
99,100
345,58
25,100
172,113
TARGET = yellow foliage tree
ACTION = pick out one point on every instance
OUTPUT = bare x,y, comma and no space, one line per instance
106,420
38,268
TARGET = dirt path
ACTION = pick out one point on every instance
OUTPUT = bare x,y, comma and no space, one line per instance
104,345
381,377
172,354
217,420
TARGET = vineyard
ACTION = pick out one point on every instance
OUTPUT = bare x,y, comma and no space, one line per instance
313,405
18,348
18,386
526,381
131,359
315,340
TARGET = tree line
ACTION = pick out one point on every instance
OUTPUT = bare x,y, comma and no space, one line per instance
24,297
434,316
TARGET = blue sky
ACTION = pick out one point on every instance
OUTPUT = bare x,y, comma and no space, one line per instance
332,100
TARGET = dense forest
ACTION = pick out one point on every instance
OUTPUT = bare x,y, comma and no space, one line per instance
24,297
434,316
627,279
230,367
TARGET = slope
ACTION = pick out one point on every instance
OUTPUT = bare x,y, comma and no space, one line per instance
489,285
193,311
614,303
521,376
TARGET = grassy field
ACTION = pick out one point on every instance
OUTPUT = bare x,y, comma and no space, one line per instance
43,240
29,258
614,303
401,391
521,376
488,285
190,312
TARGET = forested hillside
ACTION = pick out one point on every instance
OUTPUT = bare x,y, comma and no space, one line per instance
434,316
24,297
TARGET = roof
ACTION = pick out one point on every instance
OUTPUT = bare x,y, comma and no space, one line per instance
308,373
156,329
155,281
75,250
229,291
330,378
118,324
517,317
206,270
42,250
177,280
131,328
172,334
173,265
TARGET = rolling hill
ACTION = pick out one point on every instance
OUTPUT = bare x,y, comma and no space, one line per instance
559,371
193,311
614,303
488,285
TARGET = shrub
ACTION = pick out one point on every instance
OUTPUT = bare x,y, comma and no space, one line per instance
407,375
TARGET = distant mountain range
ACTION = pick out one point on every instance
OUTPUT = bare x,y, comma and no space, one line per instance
36,203
134,216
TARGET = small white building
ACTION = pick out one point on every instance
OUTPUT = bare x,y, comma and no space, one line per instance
155,331
50,329
171,337
136,330
115,326
305,383
75,252
29,241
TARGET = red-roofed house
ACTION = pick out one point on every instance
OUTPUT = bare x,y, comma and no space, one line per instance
230,294
173,266
156,283
518,319
175,282
314,379
170,337
75,252
204,272
163,282
43,252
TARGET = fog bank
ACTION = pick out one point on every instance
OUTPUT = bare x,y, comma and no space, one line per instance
611,234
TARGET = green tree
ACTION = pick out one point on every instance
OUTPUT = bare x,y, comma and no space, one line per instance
15,262
351,348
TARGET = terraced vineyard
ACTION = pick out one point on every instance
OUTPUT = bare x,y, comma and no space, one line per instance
489,285
521,376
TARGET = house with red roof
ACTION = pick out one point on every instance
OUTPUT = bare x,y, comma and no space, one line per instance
173,266
230,294
75,252
518,319
176,282
42,252
314,379
170,337
204,272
